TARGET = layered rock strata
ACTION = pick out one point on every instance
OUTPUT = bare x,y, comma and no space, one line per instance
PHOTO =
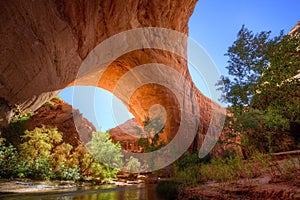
44,44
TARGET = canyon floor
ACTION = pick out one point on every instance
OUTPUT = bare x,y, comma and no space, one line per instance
267,185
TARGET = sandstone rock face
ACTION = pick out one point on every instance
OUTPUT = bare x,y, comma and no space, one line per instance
57,113
44,43
127,135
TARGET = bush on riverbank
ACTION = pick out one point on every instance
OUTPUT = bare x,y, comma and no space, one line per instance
233,168
41,154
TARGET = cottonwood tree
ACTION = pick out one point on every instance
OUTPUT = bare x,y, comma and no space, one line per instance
261,91
248,59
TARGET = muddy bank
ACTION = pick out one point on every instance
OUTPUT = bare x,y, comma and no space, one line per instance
12,186
273,177
263,187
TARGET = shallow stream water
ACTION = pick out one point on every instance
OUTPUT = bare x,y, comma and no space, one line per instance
105,192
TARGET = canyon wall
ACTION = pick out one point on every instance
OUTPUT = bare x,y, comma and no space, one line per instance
58,114
45,43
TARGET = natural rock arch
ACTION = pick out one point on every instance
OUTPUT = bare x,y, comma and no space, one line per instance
43,44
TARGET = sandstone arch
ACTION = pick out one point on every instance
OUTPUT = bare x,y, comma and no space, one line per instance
43,44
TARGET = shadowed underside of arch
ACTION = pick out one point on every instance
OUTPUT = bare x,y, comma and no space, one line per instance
147,91
43,44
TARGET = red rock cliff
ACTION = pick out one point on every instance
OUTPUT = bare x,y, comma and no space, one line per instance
57,113
43,44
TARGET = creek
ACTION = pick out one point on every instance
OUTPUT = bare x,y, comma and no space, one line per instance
108,191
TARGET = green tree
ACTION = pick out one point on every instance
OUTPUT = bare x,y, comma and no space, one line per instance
35,152
152,128
262,94
8,161
278,87
2,140
39,142
44,156
133,165
106,152
87,163
248,59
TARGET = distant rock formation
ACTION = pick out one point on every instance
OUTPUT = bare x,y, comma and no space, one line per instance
127,135
295,29
57,113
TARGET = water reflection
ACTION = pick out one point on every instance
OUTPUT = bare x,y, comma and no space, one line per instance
109,192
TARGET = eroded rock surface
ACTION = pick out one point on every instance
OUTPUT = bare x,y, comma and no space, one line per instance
44,43
58,114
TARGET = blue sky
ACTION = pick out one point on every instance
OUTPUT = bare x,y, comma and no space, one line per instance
215,23
214,26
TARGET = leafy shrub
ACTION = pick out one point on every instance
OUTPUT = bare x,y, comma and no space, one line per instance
17,126
187,160
42,155
39,168
58,98
8,161
60,156
87,164
49,104
190,176
107,153
39,143
133,165
189,171
21,115
67,173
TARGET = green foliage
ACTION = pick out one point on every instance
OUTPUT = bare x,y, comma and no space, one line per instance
58,98
222,170
67,173
133,165
289,169
229,169
189,176
247,61
17,126
263,95
8,161
39,168
264,130
277,86
152,127
218,169
42,155
60,156
187,169
187,160
21,115
36,153
107,153
87,164
49,103
39,143
149,146
150,141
